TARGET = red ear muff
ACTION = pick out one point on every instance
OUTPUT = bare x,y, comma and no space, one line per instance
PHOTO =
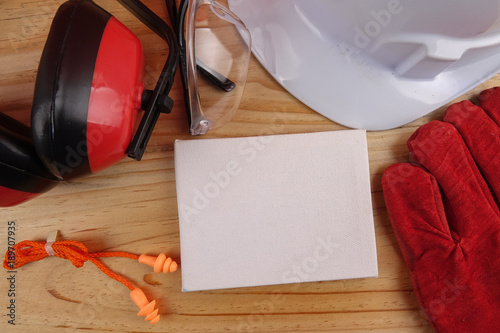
22,174
87,92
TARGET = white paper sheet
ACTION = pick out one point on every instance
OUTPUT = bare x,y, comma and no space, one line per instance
274,209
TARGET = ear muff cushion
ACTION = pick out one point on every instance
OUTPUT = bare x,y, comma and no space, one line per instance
20,168
63,87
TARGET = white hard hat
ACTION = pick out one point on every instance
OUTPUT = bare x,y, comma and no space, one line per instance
375,64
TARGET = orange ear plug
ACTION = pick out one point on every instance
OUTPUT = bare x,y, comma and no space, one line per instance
27,251
160,263
146,307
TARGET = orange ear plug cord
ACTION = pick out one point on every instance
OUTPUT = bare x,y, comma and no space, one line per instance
28,251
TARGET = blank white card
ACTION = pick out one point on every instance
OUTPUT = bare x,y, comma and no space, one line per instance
274,209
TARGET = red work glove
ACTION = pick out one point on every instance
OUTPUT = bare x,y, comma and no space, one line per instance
444,212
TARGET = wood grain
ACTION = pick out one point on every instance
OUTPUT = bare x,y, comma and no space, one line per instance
132,207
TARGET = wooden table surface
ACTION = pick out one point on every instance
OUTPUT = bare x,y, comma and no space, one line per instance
132,207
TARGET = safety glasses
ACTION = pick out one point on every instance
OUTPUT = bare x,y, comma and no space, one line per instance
214,49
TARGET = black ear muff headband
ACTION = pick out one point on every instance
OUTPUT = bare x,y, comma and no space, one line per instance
88,92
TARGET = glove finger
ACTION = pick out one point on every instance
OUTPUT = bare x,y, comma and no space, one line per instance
489,101
415,208
482,137
441,150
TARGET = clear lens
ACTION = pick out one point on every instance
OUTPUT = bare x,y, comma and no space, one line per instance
218,45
